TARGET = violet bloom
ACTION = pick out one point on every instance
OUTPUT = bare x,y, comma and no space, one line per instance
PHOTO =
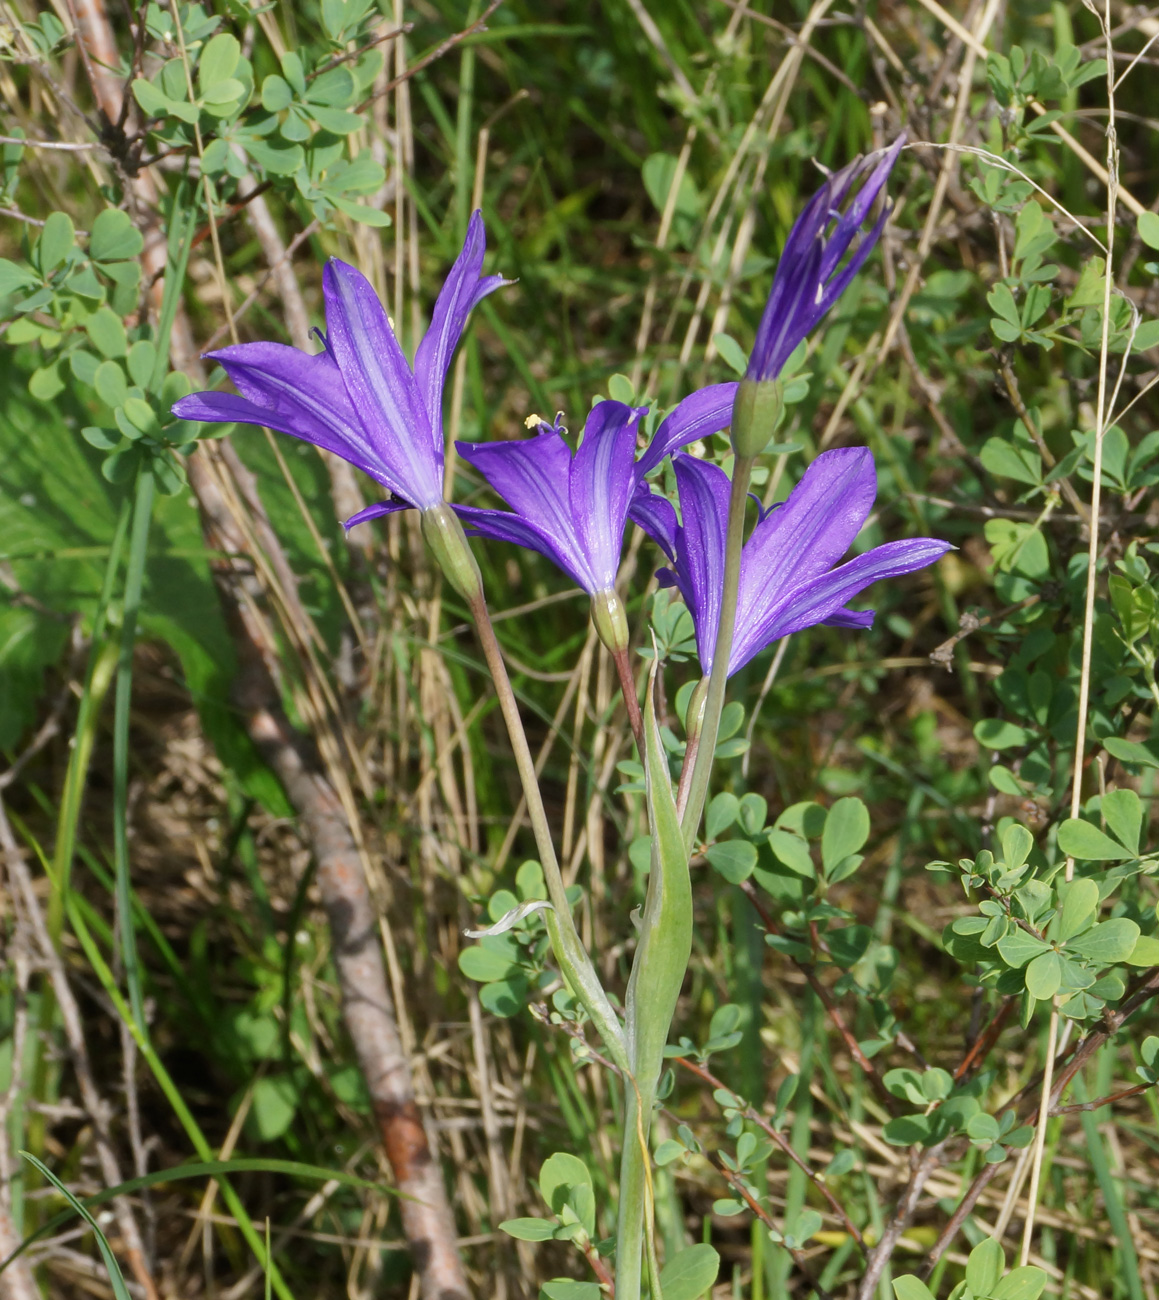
787,578
359,398
811,276
573,508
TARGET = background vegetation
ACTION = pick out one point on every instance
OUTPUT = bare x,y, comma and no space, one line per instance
167,990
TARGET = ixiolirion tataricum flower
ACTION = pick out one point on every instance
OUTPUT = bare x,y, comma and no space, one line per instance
787,578
812,274
572,507
359,397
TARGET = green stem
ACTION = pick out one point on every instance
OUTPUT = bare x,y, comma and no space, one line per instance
565,941
97,681
702,769
633,1190
134,581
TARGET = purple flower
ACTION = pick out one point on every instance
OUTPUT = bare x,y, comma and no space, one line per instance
810,276
573,507
787,578
359,398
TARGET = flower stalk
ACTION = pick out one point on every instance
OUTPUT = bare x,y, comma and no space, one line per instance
570,953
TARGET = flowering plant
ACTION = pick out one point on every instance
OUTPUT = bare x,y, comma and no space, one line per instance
360,399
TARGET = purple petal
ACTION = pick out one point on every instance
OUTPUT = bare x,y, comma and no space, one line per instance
463,289
376,511
532,476
851,618
786,319
380,384
504,527
701,413
810,276
822,599
602,482
656,516
700,544
812,530
291,392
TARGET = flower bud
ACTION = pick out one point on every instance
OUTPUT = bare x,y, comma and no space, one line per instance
443,533
756,412
611,621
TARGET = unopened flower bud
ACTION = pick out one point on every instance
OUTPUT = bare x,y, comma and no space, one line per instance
757,411
443,533
611,620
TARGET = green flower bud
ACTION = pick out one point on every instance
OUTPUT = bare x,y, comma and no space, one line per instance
756,412
443,533
611,620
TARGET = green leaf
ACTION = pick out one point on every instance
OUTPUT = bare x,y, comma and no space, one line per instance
911,1287
114,238
1079,907
1044,975
562,1288
14,277
659,173
141,414
505,998
278,159
690,1274
218,60
1108,942
722,812
985,1266
153,102
558,1174
1024,1283
846,830
55,242
116,1278
793,852
1018,947
1017,842
1002,303
274,1105
45,382
141,360
1123,812
110,383
107,332
335,120
485,965
528,1229
1079,839
276,95
906,1130
1149,229
754,809
734,859
982,1128
1145,952
731,352
1008,460
334,89
1146,336
222,93
997,733
849,944
360,212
